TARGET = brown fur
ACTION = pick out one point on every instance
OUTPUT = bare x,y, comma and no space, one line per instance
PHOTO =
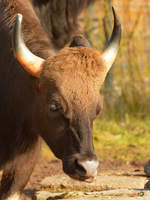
69,81
86,70
40,46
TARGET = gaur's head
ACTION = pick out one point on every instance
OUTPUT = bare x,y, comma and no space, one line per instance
68,99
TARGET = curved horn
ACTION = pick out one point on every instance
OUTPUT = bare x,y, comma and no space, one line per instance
112,47
30,62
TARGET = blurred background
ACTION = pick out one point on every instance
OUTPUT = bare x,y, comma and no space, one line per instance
122,131
127,88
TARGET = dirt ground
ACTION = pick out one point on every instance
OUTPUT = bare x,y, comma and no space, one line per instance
110,169
48,167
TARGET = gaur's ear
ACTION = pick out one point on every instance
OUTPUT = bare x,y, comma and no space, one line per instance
31,63
112,47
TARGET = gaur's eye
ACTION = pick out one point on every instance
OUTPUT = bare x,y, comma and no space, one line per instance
54,107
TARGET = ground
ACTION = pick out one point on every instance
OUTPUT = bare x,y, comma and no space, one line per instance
116,180
49,182
51,167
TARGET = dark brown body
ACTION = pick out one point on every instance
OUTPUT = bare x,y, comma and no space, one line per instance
17,91
72,78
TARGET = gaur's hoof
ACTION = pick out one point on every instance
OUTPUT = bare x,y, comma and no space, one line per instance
147,168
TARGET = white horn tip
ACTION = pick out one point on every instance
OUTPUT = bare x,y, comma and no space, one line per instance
19,17
113,44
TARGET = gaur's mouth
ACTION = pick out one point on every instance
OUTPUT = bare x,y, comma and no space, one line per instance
82,178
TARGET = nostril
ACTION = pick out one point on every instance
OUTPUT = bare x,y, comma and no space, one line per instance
87,168
80,168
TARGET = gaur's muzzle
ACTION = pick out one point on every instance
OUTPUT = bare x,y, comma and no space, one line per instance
81,167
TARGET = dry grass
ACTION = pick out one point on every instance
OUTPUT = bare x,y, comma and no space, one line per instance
127,87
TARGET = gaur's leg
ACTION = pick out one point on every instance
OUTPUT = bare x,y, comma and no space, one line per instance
17,173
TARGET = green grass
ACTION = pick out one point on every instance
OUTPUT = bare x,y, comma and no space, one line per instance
127,140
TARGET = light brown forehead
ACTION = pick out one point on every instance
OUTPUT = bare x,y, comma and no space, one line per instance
77,73
80,93
82,62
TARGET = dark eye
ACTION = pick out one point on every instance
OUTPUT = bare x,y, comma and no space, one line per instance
54,107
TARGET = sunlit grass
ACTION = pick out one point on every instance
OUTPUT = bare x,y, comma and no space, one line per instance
127,140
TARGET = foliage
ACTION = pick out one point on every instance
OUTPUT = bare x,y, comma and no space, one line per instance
127,87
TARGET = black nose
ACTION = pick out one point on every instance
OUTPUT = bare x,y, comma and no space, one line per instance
86,168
